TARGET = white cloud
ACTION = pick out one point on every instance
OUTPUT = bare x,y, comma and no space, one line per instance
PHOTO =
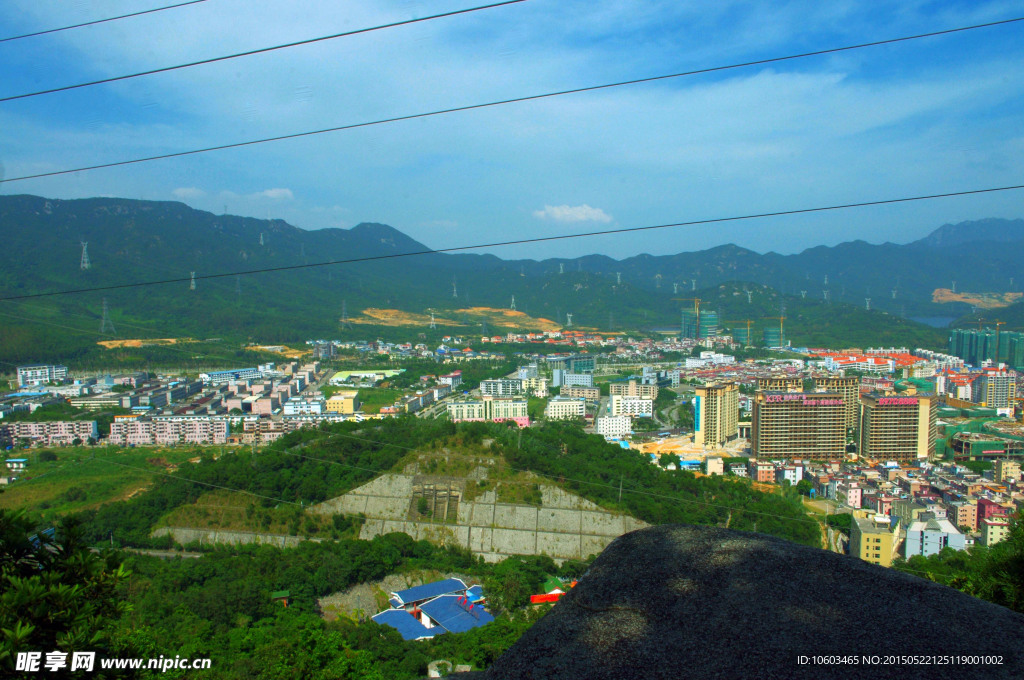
186,193
277,194
572,213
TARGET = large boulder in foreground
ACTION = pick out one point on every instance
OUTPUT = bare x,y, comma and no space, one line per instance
697,602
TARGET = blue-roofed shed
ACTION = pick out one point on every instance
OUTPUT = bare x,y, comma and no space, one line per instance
454,615
427,591
475,593
407,625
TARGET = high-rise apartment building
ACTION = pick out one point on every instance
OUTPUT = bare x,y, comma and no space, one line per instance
715,414
897,428
850,389
780,384
995,389
809,425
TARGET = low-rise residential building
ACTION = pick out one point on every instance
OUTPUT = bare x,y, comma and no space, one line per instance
715,465
993,530
560,408
218,377
874,539
633,388
1007,470
41,374
501,387
614,427
345,401
305,406
630,406
963,514
49,433
591,394
560,376
488,408
538,387
166,432
929,534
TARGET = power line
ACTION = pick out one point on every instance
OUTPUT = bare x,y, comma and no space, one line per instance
260,50
501,102
101,21
539,239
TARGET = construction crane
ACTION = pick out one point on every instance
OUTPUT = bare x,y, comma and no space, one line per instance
781,319
747,322
696,312
980,321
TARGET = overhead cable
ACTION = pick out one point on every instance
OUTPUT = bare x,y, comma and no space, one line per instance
100,21
522,241
501,102
260,50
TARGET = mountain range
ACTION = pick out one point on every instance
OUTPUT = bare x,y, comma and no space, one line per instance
137,241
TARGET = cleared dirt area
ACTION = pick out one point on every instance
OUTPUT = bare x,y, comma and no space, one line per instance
142,342
982,300
499,318
283,350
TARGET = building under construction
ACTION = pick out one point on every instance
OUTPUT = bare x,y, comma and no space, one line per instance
897,428
978,346
806,425
783,384
698,327
774,337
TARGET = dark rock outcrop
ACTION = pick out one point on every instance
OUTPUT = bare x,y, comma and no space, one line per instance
697,602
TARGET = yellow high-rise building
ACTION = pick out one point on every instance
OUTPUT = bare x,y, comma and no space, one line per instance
716,410
902,429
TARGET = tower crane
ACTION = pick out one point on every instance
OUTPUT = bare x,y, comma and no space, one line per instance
696,311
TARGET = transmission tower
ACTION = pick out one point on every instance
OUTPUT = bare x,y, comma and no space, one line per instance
344,315
825,294
432,324
106,325
86,264
803,294
657,280
192,283
561,267
618,278
826,279
568,319
693,283
750,297
675,288
513,307
455,290
954,287
261,238
867,304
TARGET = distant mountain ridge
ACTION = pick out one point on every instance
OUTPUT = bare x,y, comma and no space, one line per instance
132,240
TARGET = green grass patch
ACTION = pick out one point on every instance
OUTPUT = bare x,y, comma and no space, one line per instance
80,478
373,398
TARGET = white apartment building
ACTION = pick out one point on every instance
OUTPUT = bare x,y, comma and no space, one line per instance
538,387
50,433
620,405
560,408
614,427
305,406
501,387
40,375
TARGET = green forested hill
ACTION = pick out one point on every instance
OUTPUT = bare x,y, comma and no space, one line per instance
132,241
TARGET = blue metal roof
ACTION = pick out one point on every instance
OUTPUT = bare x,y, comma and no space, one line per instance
475,593
407,625
429,590
453,616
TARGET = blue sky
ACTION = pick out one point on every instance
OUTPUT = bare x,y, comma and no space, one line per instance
931,116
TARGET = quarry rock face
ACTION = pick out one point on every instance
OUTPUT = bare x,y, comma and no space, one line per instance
679,601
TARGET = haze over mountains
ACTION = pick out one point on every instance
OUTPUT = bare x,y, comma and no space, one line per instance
134,241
